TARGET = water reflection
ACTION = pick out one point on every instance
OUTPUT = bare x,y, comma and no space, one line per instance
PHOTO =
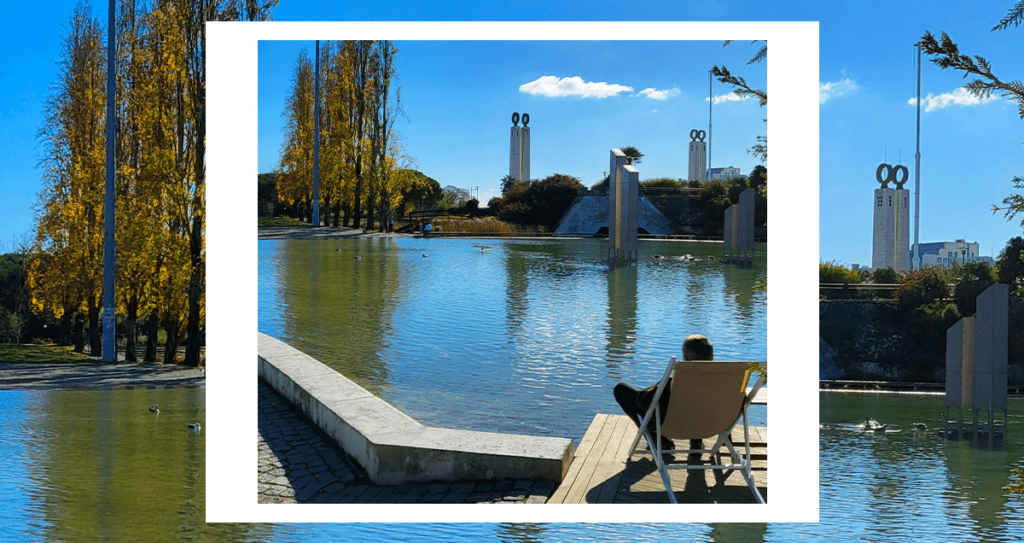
98,466
622,306
526,337
914,485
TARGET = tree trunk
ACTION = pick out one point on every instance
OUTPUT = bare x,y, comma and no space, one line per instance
95,338
129,325
152,324
171,348
79,332
66,321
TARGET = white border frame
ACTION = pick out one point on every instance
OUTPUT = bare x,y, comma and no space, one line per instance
232,165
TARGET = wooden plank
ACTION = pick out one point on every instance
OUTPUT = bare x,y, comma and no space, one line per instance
614,460
586,444
592,432
580,487
608,494
600,468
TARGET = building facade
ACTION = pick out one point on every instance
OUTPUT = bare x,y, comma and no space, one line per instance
727,172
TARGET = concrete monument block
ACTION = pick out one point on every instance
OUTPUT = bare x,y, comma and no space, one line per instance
991,334
960,363
698,156
745,237
623,203
728,232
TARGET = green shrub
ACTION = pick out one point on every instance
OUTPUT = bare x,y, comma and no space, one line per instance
885,276
833,272
541,202
662,182
922,286
970,280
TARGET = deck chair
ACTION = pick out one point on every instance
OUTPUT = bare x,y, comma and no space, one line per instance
708,399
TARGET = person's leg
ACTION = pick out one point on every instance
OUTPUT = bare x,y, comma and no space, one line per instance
626,396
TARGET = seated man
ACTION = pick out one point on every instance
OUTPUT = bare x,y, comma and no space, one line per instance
635,401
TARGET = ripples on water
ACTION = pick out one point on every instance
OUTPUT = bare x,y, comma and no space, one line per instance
899,487
98,466
525,337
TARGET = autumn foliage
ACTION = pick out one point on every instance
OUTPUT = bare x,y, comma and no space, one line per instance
160,175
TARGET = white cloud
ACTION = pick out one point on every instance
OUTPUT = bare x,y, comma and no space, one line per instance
654,111
959,97
655,94
550,85
731,97
835,89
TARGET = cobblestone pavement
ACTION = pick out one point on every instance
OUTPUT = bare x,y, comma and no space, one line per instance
298,463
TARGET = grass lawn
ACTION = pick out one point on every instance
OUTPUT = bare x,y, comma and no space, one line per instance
41,354
281,221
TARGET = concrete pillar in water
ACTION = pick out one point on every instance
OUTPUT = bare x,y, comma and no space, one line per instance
623,207
991,333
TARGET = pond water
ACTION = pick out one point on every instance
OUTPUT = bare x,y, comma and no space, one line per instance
98,466
523,336
896,487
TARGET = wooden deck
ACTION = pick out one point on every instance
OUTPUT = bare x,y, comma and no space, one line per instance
599,472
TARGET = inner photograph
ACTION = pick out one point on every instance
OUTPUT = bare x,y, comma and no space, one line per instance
512,272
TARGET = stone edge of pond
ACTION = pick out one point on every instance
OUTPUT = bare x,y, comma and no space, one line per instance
392,447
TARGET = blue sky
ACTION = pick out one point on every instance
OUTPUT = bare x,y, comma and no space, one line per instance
969,152
583,97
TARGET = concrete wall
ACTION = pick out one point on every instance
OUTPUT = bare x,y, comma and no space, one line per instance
392,447
588,214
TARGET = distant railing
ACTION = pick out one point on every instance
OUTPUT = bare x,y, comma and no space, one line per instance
839,385
857,290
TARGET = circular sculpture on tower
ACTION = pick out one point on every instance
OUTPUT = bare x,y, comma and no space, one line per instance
886,174
515,119
526,119
697,135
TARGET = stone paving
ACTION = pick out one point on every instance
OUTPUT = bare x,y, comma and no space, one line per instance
298,463
97,375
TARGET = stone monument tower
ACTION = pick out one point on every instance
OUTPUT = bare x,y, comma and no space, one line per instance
519,149
890,240
698,152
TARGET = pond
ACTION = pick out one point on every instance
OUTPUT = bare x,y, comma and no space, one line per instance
900,487
517,336
90,465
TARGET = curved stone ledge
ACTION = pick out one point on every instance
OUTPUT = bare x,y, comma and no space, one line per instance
391,446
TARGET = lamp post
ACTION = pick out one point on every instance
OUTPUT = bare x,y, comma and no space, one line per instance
109,320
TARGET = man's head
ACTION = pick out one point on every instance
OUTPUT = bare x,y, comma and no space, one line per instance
697,347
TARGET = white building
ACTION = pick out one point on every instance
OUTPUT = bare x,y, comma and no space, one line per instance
948,253
727,172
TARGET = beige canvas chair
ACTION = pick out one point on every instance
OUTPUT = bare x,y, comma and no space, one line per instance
708,399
